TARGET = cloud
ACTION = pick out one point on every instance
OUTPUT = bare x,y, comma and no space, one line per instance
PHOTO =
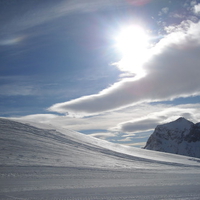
11,41
126,139
145,124
163,11
197,8
17,89
137,144
138,2
159,114
45,12
18,86
103,135
172,72
136,122
139,118
42,118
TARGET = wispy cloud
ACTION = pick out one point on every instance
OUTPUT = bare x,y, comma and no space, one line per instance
103,135
11,40
138,2
127,126
17,85
129,121
15,90
48,11
172,72
164,11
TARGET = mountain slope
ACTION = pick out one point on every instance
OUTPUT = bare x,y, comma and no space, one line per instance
26,145
178,137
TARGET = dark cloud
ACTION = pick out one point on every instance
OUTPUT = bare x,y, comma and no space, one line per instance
139,126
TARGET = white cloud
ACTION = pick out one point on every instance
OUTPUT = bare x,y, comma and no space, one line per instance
193,2
197,8
136,122
163,11
18,89
127,139
177,15
138,144
159,115
172,72
103,135
11,40
139,118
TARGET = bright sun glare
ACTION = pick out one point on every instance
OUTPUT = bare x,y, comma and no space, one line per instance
132,42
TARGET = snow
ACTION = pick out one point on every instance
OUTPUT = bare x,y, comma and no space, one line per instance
46,162
179,137
180,125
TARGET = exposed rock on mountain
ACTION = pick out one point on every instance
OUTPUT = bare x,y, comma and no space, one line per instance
179,137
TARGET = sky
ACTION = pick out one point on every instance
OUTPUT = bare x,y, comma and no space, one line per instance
111,69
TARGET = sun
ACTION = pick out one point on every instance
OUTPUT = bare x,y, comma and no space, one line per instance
131,39
132,42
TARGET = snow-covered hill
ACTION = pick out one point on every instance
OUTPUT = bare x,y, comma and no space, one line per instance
23,144
44,162
178,137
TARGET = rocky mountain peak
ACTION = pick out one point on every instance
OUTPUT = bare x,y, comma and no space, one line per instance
180,137
181,125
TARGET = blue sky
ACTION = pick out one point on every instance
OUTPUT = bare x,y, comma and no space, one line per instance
60,64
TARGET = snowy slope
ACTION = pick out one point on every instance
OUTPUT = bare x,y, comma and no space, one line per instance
44,162
178,137
26,145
